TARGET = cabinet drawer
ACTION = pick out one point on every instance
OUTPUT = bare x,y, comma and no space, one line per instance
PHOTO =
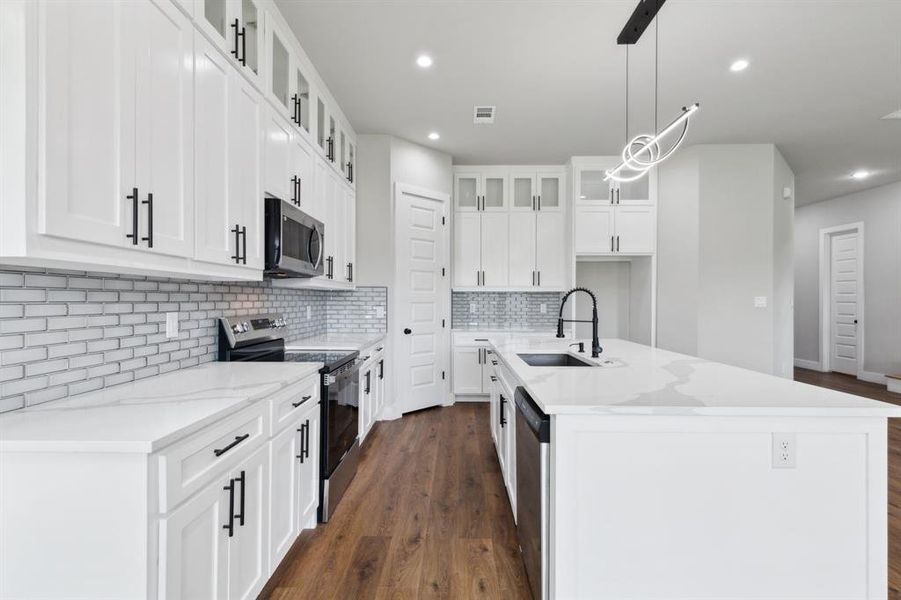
470,339
191,464
288,404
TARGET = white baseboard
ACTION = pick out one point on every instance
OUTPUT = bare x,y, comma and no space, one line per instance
872,377
808,364
471,398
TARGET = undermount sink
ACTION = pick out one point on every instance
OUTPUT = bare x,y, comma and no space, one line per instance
554,359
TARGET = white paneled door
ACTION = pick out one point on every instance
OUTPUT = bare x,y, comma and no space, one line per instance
844,303
420,298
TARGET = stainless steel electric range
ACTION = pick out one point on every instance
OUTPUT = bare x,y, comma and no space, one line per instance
262,338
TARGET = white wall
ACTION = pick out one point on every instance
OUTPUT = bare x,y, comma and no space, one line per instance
382,161
610,283
724,238
880,211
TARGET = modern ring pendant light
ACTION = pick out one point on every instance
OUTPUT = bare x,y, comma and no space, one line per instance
643,151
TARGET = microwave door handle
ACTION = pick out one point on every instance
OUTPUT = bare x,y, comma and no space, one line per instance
318,256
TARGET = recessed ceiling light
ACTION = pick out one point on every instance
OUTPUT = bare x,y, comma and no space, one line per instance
434,136
860,174
739,65
424,61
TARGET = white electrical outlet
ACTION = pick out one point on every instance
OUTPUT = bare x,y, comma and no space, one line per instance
309,313
171,324
543,308
759,301
380,312
785,451
472,308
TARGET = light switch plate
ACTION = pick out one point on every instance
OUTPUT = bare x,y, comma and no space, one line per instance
380,312
309,312
543,308
472,308
759,301
171,324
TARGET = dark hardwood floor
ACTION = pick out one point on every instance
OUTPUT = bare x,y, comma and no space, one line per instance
427,516
852,385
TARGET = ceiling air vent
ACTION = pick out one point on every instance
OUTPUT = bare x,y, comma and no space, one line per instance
483,115
893,116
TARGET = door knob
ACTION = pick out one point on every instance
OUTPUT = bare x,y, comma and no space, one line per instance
408,331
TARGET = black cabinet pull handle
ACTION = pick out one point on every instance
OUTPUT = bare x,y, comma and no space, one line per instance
503,417
230,526
539,201
243,58
350,272
243,481
149,203
539,278
368,387
493,378
382,369
304,441
617,243
294,116
237,255
238,440
244,244
299,189
134,216
302,400
407,331
611,244
234,50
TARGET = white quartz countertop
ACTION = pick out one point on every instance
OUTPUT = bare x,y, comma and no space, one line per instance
149,414
335,341
648,381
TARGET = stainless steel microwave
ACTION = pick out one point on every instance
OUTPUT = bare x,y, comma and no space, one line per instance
294,241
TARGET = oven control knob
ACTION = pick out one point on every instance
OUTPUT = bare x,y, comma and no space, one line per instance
246,326
236,328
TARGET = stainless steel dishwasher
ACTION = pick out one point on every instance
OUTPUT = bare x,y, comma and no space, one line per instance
533,441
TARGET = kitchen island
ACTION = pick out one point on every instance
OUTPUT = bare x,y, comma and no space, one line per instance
670,476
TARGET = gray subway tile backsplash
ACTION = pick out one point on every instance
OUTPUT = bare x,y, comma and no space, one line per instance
65,333
505,310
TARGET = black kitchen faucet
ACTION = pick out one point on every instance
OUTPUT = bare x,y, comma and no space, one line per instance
595,343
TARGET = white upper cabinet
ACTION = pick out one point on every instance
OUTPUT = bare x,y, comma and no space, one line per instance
158,127
119,117
510,228
612,218
236,28
481,191
88,169
228,191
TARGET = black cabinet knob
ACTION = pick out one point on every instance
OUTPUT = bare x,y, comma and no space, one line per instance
408,331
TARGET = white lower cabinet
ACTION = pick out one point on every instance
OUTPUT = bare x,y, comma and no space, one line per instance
471,357
214,545
502,414
294,477
372,389
209,515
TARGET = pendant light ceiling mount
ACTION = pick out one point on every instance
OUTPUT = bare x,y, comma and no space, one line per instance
643,151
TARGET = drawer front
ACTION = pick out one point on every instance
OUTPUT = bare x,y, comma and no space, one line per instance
470,339
288,404
191,464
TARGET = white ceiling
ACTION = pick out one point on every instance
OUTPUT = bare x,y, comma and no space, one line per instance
822,74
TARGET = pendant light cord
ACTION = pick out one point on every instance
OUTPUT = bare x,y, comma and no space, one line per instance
656,70
627,93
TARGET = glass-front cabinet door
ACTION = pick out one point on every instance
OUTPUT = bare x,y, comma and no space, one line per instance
320,125
279,80
467,193
331,140
248,50
522,188
635,192
494,191
549,191
235,26
300,112
592,187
